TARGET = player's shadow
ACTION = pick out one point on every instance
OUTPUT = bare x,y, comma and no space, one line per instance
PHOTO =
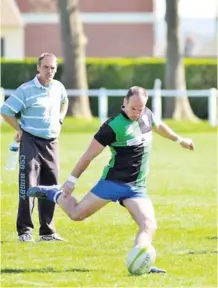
212,237
201,252
42,270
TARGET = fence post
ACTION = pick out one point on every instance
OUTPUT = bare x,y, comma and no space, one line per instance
212,107
2,99
102,105
156,101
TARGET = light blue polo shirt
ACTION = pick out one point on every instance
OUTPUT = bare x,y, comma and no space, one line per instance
39,106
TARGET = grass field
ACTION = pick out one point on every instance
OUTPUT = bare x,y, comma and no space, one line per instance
183,187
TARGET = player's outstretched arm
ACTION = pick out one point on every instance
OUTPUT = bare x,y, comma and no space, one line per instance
165,131
94,149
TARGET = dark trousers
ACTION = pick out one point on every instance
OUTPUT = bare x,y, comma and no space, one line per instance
38,166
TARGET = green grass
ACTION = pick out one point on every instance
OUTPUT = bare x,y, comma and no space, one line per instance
183,187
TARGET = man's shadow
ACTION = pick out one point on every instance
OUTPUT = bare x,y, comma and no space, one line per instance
42,270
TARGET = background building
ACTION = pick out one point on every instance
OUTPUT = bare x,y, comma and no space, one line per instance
112,28
115,28
12,30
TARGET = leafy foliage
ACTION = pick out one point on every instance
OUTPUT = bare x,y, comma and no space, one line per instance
119,73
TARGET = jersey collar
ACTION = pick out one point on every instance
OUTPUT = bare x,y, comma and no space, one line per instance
38,84
124,113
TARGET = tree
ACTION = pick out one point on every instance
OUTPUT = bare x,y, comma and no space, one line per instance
178,108
73,43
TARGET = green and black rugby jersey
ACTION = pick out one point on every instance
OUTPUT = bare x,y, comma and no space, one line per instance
130,144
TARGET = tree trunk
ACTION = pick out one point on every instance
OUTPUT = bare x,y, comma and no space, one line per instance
179,107
73,44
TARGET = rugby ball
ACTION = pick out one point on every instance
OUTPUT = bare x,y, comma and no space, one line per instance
140,259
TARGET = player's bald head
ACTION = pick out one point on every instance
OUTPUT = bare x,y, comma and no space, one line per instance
136,92
135,102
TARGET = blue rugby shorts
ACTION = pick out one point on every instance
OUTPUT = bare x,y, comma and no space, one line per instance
116,191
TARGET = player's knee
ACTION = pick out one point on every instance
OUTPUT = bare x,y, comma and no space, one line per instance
77,216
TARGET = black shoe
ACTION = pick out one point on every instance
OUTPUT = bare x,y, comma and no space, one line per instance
156,270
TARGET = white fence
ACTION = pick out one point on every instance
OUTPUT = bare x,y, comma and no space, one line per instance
157,93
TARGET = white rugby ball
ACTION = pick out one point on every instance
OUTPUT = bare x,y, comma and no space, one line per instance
140,259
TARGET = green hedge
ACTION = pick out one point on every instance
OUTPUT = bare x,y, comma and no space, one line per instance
121,74
77,125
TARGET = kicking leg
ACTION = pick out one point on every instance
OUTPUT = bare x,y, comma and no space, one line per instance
77,211
89,204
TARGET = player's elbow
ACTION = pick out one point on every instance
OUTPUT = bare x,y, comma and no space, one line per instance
4,116
6,113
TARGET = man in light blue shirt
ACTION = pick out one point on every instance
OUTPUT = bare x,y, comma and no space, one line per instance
43,105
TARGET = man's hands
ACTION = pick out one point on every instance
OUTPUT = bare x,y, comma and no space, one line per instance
18,135
167,132
94,149
187,144
67,188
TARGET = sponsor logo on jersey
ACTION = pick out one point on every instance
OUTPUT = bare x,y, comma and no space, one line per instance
134,141
145,138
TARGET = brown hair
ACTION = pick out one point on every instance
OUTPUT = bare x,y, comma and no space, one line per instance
43,55
136,90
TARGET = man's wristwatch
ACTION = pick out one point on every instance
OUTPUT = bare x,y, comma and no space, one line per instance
61,121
